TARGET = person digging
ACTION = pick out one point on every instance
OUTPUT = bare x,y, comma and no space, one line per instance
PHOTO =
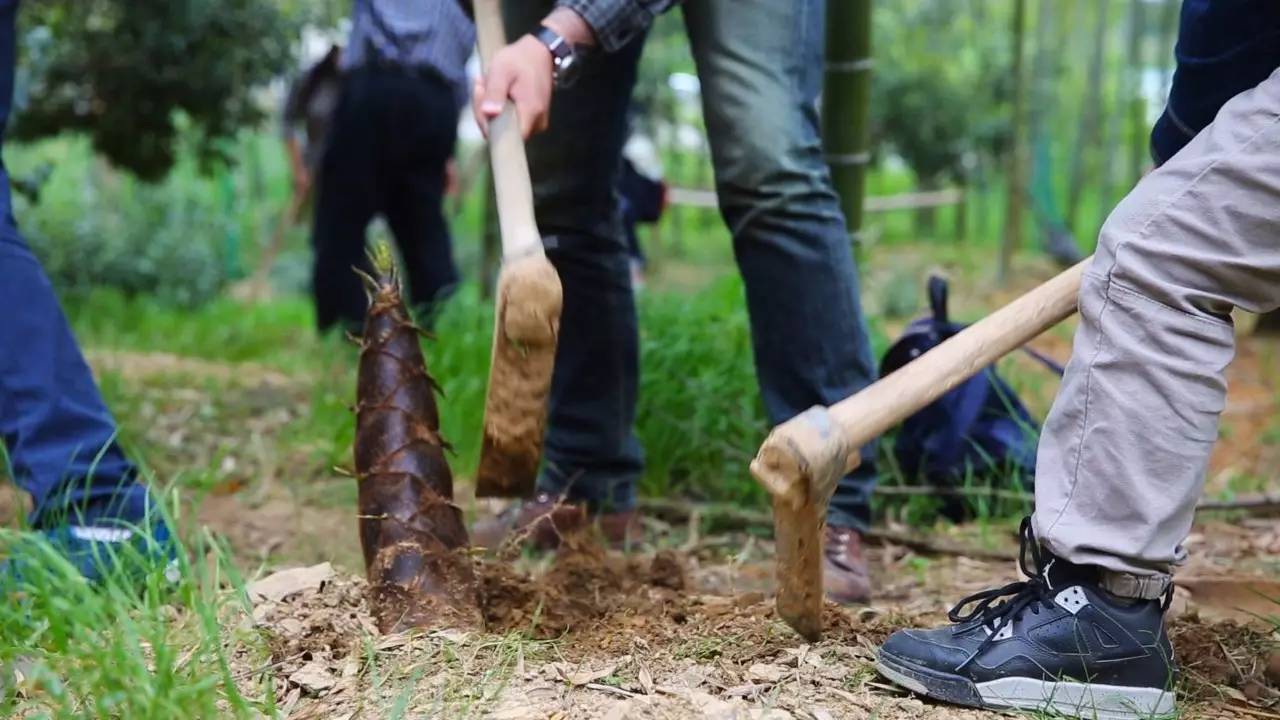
88,502
1124,452
760,63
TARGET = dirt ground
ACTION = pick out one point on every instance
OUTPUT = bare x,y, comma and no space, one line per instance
677,634
684,625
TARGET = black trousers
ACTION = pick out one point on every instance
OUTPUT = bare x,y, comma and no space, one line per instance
392,135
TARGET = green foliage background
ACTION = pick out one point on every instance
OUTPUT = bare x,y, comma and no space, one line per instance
134,74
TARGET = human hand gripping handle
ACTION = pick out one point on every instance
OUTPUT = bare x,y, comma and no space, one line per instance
514,191
522,72
529,303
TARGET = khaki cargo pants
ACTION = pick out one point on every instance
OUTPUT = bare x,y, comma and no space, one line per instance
1126,446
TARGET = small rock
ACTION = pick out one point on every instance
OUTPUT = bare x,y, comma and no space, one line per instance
769,714
351,667
766,672
262,611
750,690
834,671
517,712
711,707
792,657
290,627
693,676
1255,691
313,677
578,677
912,705
457,637
629,709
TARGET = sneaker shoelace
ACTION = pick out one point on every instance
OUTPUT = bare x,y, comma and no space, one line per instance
1014,599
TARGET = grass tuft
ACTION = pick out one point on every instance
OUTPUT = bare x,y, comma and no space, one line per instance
138,648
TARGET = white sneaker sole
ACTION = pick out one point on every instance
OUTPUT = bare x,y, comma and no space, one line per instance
1068,699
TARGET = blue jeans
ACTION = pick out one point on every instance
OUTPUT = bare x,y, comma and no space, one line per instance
760,63
59,435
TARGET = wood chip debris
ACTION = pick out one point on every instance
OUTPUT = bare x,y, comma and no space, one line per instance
285,583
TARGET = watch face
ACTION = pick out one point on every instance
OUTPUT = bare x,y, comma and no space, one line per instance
563,56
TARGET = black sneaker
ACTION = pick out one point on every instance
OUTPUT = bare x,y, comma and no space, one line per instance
1057,643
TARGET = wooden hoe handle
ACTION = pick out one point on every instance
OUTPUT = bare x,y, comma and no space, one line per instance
802,459
511,182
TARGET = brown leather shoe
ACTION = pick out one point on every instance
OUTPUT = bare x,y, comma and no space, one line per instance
622,530
844,570
544,521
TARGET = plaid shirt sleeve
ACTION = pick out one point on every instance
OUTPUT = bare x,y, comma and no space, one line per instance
616,22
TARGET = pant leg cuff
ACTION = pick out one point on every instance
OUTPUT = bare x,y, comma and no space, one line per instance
1138,587
838,518
604,493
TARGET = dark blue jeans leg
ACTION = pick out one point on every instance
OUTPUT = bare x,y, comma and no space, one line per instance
760,62
348,194
60,436
592,453
419,134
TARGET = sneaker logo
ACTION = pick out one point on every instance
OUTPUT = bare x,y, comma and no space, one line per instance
100,534
1073,599
1105,639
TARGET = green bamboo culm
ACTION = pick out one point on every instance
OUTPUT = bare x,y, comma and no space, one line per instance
1017,157
846,101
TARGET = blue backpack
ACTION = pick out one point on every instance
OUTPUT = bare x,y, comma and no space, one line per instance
980,428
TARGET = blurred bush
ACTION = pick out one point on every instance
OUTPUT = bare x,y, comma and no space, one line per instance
126,72
97,228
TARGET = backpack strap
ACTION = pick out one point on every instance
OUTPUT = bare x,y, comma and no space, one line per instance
938,305
938,298
1045,360
964,406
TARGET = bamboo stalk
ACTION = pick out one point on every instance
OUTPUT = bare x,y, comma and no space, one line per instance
846,104
1017,150
1137,104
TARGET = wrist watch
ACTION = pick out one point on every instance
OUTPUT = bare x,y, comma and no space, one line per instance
564,58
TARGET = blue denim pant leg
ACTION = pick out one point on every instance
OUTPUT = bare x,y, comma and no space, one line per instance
760,62
592,454
61,438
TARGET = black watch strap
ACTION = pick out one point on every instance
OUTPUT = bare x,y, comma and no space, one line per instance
563,55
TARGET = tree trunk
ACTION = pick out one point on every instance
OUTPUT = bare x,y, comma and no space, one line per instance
1043,206
846,105
1087,135
1017,150
961,227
